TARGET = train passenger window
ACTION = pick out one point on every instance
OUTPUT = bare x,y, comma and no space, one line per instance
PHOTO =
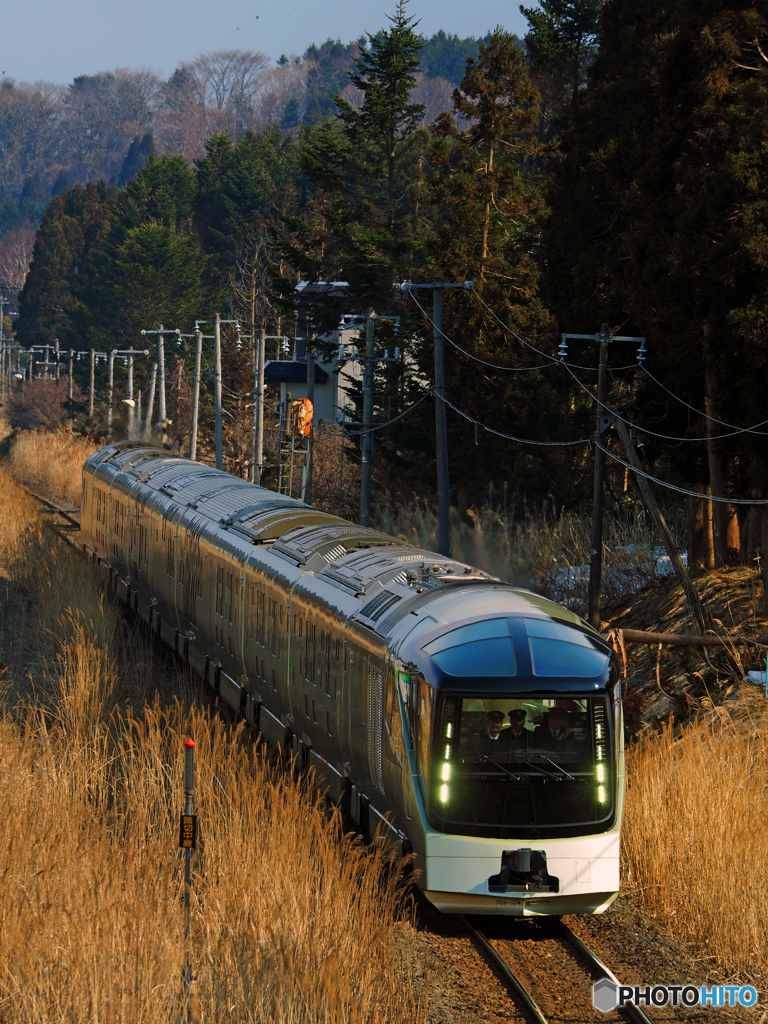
559,650
220,590
393,716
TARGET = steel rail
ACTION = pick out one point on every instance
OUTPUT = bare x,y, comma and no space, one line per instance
70,513
518,987
634,1012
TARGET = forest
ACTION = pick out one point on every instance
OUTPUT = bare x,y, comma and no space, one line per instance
609,168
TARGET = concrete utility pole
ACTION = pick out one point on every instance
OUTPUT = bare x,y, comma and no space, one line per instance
366,441
217,393
3,389
110,388
196,394
70,384
129,396
93,384
161,410
603,420
150,402
441,430
258,446
58,356
596,542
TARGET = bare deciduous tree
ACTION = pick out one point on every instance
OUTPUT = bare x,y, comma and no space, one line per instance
15,256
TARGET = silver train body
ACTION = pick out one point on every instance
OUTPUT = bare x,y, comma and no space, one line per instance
377,664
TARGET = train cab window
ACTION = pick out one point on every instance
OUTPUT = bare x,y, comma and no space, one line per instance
509,765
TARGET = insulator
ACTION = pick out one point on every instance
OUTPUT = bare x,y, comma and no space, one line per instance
397,353
562,350
641,353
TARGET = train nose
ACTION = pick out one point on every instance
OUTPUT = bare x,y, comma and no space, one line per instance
523,870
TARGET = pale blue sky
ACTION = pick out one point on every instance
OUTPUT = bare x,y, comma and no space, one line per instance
58,39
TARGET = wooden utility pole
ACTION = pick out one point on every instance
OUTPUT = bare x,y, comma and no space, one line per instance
645,489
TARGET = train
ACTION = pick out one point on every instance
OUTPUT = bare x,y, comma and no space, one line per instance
475,725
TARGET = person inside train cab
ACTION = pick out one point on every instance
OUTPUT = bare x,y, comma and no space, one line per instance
554,732
517,735
492,742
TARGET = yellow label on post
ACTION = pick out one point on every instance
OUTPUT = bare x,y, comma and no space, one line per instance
188,832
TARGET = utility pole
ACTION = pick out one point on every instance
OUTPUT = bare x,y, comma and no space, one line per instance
150,402
70,386
93,384
110,388
129,396
258,448
441,430
217,385
58,355
311,439
161,411
196,393
596,540
603,420
367,437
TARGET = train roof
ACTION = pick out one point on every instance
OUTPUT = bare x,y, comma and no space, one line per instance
392,578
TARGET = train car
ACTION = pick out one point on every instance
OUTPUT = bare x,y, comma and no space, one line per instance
474,723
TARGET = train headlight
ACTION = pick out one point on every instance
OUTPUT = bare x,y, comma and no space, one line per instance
446,773
601,773
601,797
443,794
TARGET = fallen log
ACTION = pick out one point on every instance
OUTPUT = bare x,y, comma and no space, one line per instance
640,636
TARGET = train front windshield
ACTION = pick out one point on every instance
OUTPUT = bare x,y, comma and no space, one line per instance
523,766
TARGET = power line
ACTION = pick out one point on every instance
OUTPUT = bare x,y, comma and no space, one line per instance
654,433
394,419
511,437
712,419
682,490
477,359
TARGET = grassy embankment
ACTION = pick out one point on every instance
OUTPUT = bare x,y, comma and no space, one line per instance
696,825
288,922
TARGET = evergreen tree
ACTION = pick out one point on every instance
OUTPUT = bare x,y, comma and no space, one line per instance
488,211
362,223
72,228
561,44
138,153
660,219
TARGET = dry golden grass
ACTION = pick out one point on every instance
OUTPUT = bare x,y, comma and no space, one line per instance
695,839
53,459
289,922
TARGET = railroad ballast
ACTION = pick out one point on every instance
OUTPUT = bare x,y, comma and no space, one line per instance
477,724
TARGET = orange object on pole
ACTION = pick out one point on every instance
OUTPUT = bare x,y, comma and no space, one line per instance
302,412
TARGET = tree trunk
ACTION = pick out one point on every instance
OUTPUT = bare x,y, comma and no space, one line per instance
764,548
696,545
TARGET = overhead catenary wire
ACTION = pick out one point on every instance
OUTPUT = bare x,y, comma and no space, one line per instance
647,430
712,419
680,490
512,437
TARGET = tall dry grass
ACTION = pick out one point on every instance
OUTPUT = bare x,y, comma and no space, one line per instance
545,548
53,459
695,839
289,922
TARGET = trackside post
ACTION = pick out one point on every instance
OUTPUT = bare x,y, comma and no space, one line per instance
188,842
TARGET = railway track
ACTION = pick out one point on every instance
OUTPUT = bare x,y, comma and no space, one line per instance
64,517
578,954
